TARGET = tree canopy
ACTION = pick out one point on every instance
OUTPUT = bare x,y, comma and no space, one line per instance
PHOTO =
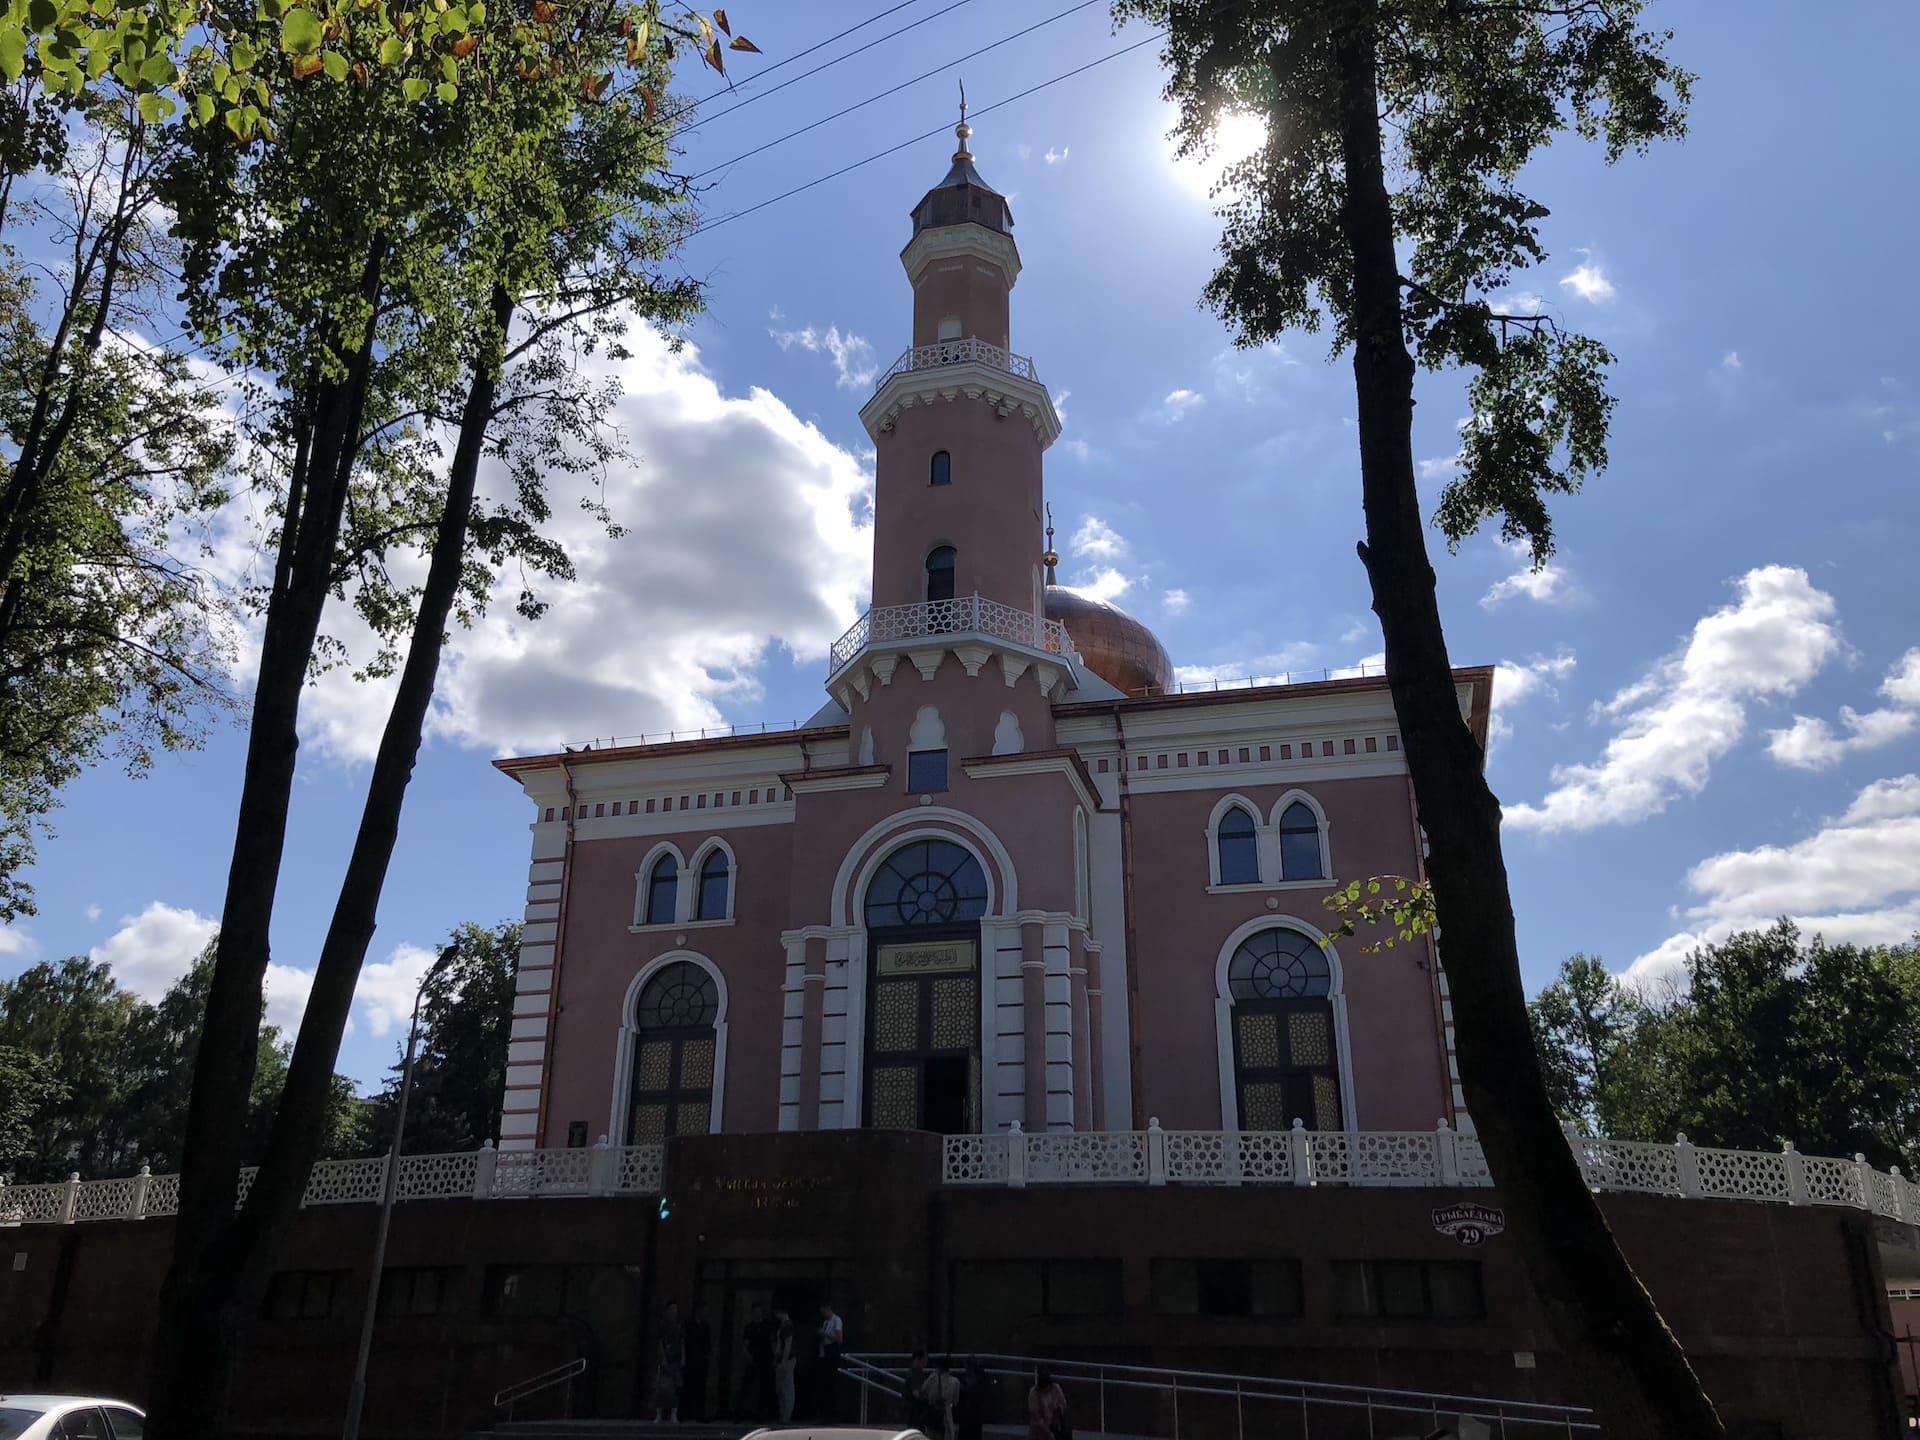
1771,1038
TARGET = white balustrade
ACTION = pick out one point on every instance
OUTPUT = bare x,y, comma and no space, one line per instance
969,351
962,615
1438,1158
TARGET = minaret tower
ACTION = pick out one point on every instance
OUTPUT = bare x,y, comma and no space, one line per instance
959,425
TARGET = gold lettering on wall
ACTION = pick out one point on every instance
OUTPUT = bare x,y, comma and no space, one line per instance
925,957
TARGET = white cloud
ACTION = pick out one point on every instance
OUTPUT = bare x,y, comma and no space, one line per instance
1179,402
153,949
1176,602
1691,708
743,535
1855,880
384,996
287,989
1517,681
1548,585
1440,467
17,942
1589,282
1104,583
1731,361
94,912
852,355
1055,157
1811,743
1902,685
1097,540
1519,302
1295,661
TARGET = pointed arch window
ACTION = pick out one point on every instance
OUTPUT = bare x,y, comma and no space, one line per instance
716,879
941,471
1301,855
940,562
674,1054
1239,848
663,891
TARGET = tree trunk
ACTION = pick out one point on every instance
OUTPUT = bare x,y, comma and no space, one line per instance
1627,1364
201,1304
193,1377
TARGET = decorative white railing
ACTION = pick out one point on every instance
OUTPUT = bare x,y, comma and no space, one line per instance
483,1174
962,615
959,352
1437,1157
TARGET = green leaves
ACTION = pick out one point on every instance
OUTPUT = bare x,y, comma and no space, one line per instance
1384,901
300,32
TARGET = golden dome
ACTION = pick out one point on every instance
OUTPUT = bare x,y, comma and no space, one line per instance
1112,644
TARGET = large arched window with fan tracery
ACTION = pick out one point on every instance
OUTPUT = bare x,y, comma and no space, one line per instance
922,909
1285,1057
673,1054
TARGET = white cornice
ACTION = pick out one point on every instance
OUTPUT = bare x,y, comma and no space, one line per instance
943,242
1007,393
993,767
869,779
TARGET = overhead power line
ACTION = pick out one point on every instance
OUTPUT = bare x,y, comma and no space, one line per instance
917,139
892,90
824,65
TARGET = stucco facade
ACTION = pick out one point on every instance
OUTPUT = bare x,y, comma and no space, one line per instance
996,880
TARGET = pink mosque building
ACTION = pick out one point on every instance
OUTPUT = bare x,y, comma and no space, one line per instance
1007,875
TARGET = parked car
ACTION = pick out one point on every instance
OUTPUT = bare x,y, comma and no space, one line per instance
69,1417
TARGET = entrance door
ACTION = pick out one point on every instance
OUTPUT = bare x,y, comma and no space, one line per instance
923,1069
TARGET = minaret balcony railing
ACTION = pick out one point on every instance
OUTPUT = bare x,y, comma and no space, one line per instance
960,352
962,615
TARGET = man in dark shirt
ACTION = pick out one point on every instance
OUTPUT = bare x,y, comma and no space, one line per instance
699,1353
756,1381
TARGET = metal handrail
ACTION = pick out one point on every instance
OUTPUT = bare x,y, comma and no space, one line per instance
545,1380
1570,1419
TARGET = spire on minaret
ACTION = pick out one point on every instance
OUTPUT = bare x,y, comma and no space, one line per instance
963,197
1052,558
963,130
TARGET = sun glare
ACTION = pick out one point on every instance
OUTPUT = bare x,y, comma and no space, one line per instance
1234,138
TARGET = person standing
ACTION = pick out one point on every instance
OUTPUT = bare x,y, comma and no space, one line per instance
670,1367
1047,1408
783,1363
831,1340
942,1394
970,1409
699,1353
913,1390
753,1395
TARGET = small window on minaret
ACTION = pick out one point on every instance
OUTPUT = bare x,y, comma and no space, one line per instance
949,328
940,573
941,472
926,771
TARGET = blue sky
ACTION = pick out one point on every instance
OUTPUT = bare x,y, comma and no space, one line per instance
1704,718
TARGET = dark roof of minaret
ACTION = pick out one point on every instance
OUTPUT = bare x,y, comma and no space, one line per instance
963,197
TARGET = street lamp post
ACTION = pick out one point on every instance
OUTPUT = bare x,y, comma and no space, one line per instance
357,1395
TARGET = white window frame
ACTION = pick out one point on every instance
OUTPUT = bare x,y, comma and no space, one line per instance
1280,807
1223,1016
686,893
1266,839
629,1034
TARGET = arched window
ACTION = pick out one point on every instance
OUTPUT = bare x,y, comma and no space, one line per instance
1239,849
1300,851
673,1054
928,882
940,573
923,1010
941,472
1284,1055
663,891
715,876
